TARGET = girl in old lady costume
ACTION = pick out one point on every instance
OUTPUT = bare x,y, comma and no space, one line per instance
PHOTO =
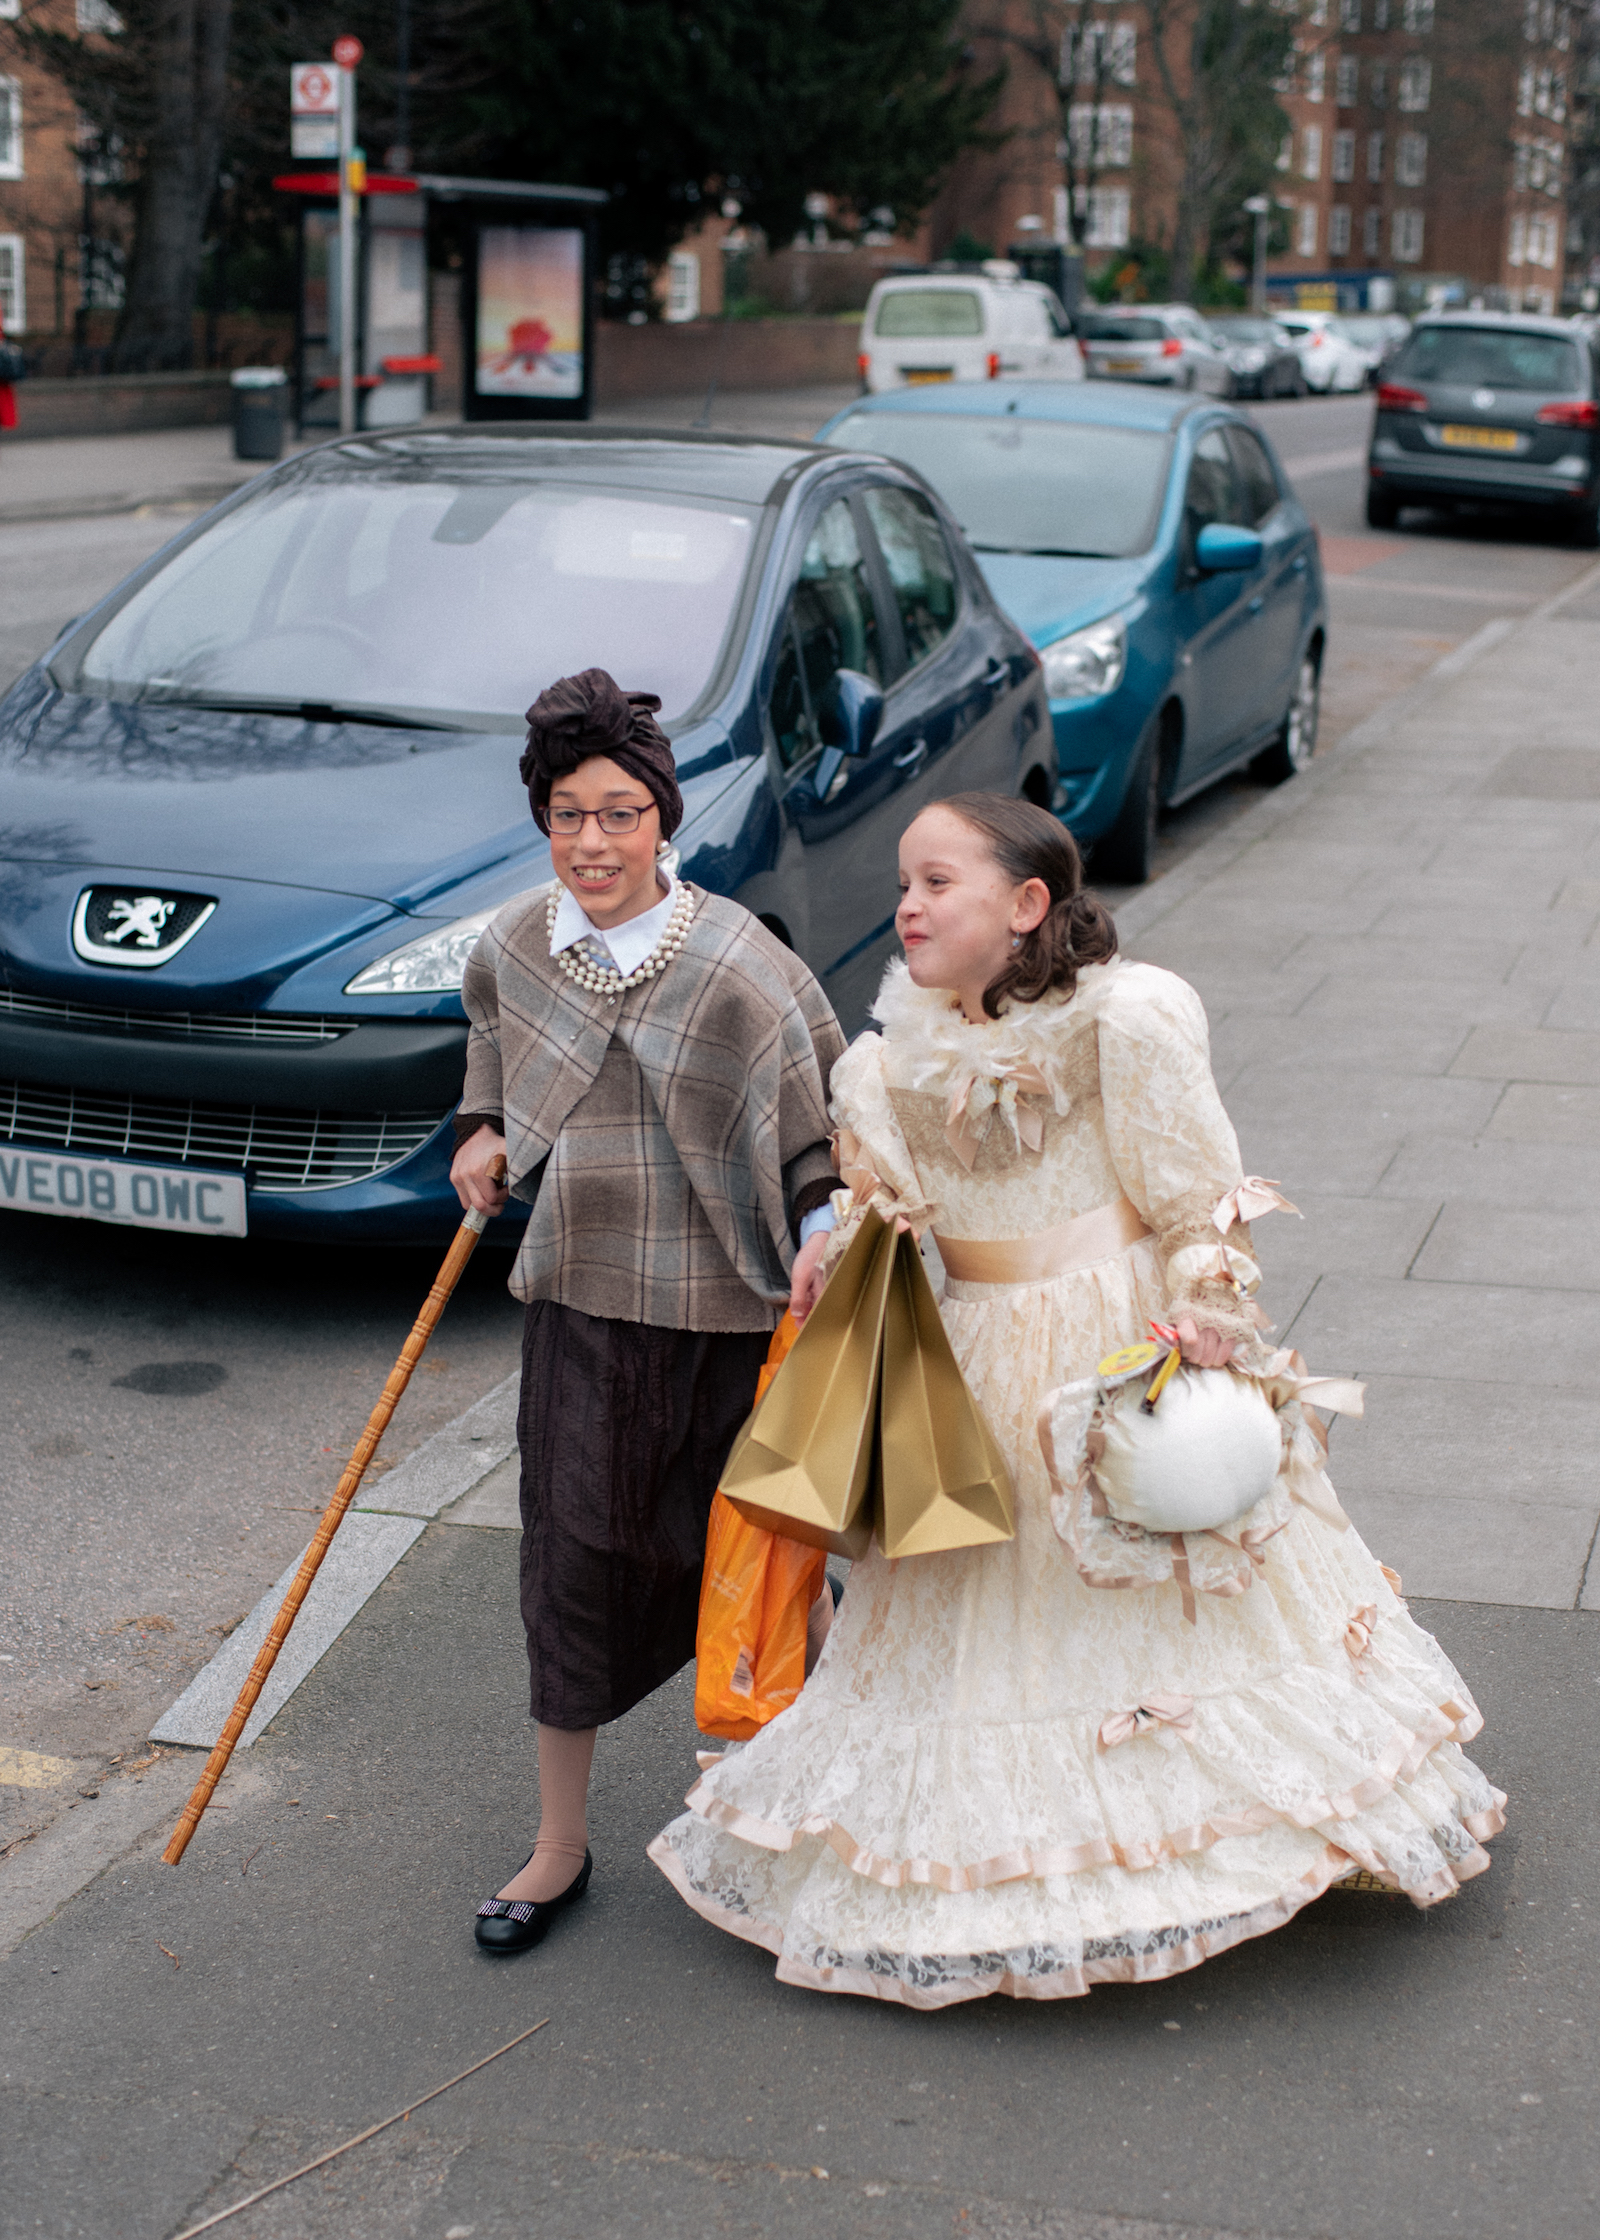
1092,1753
652,1065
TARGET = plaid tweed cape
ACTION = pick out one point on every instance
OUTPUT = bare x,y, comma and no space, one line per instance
680,1120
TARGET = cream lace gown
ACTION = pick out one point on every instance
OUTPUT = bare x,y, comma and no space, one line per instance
952,1807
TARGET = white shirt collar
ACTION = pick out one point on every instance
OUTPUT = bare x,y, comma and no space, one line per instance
628,944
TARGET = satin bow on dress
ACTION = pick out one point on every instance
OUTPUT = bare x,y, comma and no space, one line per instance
979,1095
1172,1711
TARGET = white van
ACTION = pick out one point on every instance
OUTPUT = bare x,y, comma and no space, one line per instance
965,326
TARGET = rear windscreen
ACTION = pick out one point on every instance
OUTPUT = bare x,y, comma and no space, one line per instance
1032,486
1097,327
924,314
1489,357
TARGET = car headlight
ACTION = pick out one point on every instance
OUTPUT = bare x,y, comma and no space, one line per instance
1088,663
432,965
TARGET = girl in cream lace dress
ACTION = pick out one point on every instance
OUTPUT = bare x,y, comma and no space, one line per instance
1001,1777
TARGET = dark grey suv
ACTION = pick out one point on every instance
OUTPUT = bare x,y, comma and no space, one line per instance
1488,407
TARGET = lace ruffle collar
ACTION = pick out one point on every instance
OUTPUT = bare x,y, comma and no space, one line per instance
925,1028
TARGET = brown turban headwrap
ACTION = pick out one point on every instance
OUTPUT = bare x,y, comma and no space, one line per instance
590,714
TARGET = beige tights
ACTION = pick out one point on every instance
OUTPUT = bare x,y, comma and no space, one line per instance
565,1757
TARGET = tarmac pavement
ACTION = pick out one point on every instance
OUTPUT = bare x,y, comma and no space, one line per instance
1400,955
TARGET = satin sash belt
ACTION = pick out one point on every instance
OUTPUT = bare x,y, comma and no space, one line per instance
1054,1252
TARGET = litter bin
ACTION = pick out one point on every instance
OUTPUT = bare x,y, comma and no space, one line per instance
258,400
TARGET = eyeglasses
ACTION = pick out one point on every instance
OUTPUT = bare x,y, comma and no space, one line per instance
570,822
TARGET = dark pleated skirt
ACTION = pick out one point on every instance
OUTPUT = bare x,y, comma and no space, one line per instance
623,1431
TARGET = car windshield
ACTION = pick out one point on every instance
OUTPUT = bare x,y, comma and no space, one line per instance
448,598
1245,330
1490,357
1015,485
922,314
1100,326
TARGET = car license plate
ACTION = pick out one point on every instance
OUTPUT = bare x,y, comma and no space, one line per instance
1124,365
1480,439
918,377
90,1189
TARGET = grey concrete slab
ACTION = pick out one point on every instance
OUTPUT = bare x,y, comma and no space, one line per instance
452,1461
1399,997
1545,1112
1360,1236
1362,1326
1456,1440
365,1550
493,1502
1310,1153
679,2092
1273,1046
1503,1053
1466,1548
1538,1175
1489,1243
1362,1097
1573,1008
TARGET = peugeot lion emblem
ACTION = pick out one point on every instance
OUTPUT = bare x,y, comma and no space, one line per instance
130,926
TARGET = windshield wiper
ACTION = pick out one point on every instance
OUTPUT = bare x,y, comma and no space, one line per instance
1045,551
308,711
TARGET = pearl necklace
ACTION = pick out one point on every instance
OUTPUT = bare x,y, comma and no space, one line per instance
606,980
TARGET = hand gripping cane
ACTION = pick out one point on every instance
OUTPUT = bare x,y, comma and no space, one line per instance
455,1260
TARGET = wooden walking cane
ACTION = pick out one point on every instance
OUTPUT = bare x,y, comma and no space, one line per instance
455,1260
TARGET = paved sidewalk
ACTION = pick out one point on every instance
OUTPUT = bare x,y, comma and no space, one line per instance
1401,956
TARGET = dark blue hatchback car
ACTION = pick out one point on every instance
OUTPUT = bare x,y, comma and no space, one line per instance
260,803
1155,553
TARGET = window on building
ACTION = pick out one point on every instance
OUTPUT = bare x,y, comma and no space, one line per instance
1347,82
1416,83
99,15
10,8
1109,216
1374,157
1371,233
1525,90
1101,139
1100,51
1552,167
10,129
1521,159
683,287
1544,241
1344,155
1380,15
1305,232
1516,248
1418,15
13,284
1311,152
1405,237
1378,87
1338,231
1316,75
1411,159
1349,15
1286,151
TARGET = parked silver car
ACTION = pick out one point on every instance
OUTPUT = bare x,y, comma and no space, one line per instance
1167,343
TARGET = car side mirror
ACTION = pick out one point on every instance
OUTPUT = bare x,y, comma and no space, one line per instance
1222,549
851,723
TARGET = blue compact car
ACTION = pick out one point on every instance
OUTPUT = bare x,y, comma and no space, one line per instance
1153,550
261,802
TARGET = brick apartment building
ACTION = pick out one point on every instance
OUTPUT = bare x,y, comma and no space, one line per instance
50,264
1426,151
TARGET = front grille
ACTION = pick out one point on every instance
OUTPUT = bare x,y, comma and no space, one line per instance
283,1150
179,1026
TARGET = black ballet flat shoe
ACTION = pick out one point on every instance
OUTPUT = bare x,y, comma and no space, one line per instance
509,1925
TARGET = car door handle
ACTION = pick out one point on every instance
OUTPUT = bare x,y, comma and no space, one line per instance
914,756
997,676
1256,604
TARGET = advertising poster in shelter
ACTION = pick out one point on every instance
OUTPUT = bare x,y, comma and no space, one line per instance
529,340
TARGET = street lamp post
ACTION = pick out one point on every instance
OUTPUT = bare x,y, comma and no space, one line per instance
352,182
1260,209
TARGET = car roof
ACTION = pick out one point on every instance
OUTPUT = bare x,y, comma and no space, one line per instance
1514,322
1099,404
747,468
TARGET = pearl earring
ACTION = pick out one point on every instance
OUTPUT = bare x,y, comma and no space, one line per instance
1016,941
663,847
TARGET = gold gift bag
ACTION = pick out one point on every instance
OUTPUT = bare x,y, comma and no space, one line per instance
803,1464
942,1481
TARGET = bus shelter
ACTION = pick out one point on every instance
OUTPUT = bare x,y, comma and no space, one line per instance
525,256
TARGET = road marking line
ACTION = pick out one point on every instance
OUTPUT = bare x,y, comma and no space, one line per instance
1473,597
30,1769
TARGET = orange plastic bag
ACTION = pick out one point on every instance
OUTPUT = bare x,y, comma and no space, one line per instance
755,1597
